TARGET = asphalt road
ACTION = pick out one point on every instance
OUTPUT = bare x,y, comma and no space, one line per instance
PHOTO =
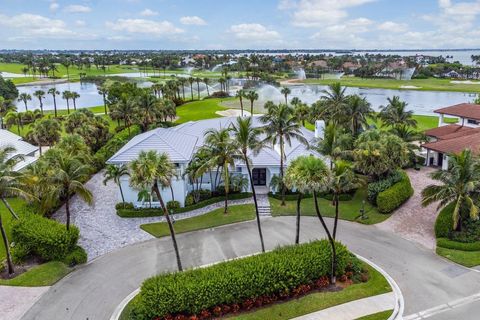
94,290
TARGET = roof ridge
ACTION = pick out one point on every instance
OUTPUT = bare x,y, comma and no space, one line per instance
174,148
151,132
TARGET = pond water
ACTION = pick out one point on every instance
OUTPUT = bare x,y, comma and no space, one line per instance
421,102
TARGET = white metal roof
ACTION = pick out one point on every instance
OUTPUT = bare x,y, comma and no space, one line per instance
23,148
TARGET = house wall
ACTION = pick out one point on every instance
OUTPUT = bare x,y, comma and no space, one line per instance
471,123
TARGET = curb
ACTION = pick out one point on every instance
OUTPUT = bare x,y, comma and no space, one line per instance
396,315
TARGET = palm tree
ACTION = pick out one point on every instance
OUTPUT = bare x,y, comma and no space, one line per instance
6,106
45,132
11,184
40,95
358,111
335,143
191,80
25,97
252,96
66,96
240,95
223,155
54,92
103,91
206,81
197,80
156,170
14,118
74,96
335,100
68,179
113,172
246,138
459,185
302,112
148,109
286,91
395,114
280,128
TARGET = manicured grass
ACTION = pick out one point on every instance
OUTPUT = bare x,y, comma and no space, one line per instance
431,84
349,210
200,110
423,122
465,258
43,275
378,316
19,206
320,300
210,220
18,81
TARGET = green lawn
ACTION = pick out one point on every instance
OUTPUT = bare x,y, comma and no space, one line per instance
349,210
465,258
210,220
320,300
200,110
378,316
43,275
431,84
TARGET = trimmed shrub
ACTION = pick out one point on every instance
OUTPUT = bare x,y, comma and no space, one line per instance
173,205
455,245
280,272
19,253
444,222
77,256
374,188
45,238
395,196
124,205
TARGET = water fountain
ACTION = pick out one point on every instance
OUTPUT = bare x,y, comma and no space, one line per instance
300,73
189,70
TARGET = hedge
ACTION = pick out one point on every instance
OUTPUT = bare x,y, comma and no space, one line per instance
444,222
43,237
395,196
374,188
232,282
153,212
455,245
326,196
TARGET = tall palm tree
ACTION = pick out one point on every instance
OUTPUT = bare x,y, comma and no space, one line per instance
336,101
74,96
156,170
191,80
395,113
148,109
459,185
358,111
66,96
68,179
223,155
25,97
281,127
113,172
6,106
40,95
45,132
246,139
54,92
197,80
286,91
252,96
335,143
302,112
240,95
103,91
124,109
206,81
14,118
11,184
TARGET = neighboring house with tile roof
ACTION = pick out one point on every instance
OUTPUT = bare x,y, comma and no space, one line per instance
181,142
22,148
453,138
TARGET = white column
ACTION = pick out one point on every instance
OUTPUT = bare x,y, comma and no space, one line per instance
440,120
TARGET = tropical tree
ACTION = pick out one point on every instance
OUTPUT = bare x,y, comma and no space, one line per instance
66,95
357,112
286,91
156,170
14,118
148,110
54,92
281,126
68,179
302,112
74,96
252,96
395,114
336,143
198,80
40,95
240,95
114,172
335,101
25,97
191,80
124,109
246,140
460,185
103,91
45,132
206,81
6,106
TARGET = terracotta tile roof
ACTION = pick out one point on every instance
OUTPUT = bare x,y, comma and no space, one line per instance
464,110
451,129
458,144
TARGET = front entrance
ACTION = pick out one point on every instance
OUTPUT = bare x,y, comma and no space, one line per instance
440,160
259,176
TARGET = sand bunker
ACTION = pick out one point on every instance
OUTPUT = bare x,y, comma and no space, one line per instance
464,82
410,87
232,113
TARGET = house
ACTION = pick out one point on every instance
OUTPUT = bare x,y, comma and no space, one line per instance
24,149
181,142
455,137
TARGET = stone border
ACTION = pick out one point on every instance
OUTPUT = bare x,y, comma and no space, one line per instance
396,315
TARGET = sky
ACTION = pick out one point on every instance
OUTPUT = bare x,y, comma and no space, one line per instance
241,24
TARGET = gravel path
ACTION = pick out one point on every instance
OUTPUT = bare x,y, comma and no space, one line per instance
412,221
102,231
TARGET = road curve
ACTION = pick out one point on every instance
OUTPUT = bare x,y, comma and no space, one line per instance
94,290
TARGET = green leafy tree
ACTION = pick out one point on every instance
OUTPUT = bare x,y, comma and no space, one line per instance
40,95
54,92
45,132
115,173
286,91
25,97
240,95
395,114
252,96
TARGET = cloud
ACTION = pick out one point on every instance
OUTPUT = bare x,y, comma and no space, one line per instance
54,6
77,8
253,32
391,26
318,13
144,26
192,20
32,25
148,13
80,23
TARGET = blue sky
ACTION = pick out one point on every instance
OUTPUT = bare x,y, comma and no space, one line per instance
259,24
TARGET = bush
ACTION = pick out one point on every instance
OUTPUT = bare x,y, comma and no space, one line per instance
455,245
444,222
219,94
124,205
19,253
240,281
173,205
77,256
395,196
374,188
45,238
